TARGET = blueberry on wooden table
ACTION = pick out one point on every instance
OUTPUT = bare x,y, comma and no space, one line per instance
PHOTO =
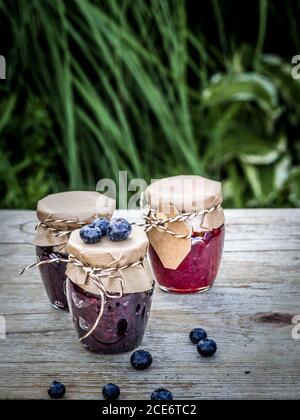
207,348
197,334
141,359
111,392
161,394
57,390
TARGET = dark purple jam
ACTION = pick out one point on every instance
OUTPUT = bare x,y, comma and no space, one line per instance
123,322
197,272
53,276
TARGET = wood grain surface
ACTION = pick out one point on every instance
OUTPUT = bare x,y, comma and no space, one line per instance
248,312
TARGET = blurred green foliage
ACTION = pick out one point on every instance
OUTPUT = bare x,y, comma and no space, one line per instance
94,87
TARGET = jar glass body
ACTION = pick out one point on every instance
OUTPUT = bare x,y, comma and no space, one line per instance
198,270
122,325
53,276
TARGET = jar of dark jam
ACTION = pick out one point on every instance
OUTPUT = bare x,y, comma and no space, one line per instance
125,312
59,214
188,261
53,276
122,324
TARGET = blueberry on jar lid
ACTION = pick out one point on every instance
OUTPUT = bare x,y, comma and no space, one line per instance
141,359
57,390
198,334
111,392
90,234
161,394
118,229
102,224
207,348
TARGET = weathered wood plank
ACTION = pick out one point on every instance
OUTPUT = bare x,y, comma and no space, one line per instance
260,230
182,370
17,226
238,268
248,313
206,382
31,298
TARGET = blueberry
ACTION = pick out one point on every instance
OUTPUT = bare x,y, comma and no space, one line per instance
141,359
90,234
207,348
111,392
118,229
161,394
197,334
102,224
56,390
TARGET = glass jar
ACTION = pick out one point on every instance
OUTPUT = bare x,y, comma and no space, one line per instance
59,214
122,325
198,271
185,228
109,291
53,276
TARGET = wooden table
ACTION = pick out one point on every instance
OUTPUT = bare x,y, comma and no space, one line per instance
248,312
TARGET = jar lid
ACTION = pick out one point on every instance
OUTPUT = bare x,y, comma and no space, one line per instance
80,206
67,211
107,254
183,194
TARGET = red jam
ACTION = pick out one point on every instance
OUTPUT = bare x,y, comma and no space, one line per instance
197,272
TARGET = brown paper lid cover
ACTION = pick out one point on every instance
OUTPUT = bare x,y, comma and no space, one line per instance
76,206
107,254
183,194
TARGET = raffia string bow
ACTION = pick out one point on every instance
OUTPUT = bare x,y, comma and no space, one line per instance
59,232
151,221
95,273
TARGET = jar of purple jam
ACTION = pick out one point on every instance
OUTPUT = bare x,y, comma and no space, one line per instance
109,291
58,215
53,275
185,225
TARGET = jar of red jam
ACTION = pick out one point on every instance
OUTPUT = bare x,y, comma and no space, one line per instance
109,291
185,225
59,214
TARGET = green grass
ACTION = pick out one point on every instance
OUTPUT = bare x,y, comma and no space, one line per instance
95,87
